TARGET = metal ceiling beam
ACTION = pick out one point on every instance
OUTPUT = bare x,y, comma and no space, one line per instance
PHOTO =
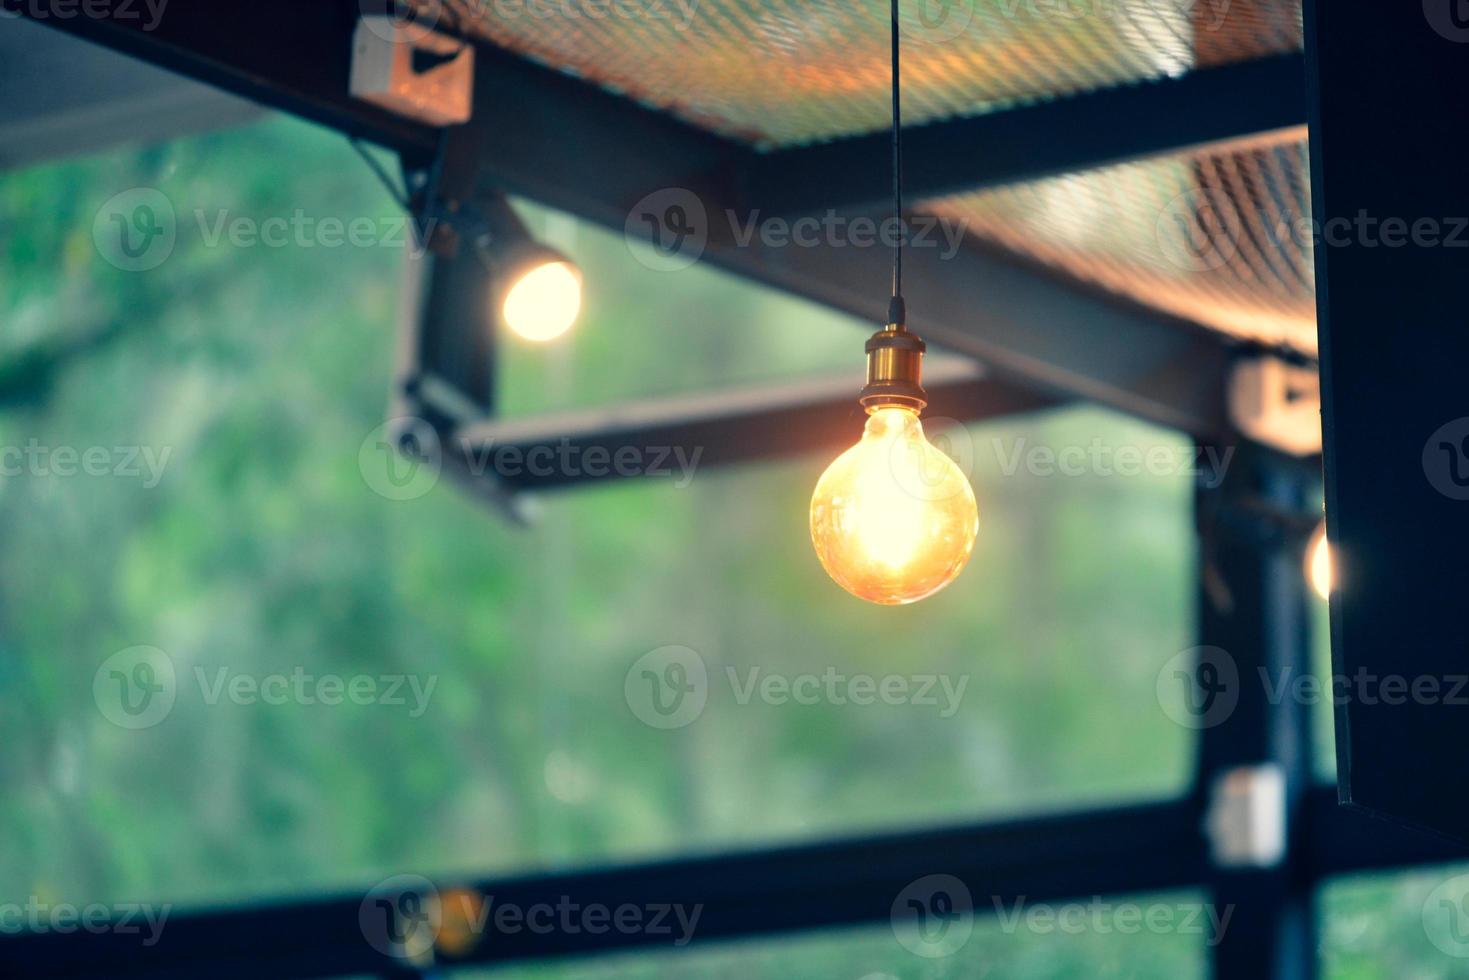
674,436
1027,326
574,146
1210,107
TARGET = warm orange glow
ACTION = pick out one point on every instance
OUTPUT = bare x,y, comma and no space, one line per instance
893,518
544,303
1318,562
462,916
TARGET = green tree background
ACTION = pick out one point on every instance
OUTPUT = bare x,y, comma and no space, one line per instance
263,373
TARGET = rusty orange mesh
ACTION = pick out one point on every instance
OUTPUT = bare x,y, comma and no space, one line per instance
1221,238
786,72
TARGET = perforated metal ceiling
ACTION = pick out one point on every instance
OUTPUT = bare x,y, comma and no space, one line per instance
785,72
1223,239
1212,237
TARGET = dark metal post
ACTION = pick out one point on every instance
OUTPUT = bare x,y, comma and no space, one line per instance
1254,753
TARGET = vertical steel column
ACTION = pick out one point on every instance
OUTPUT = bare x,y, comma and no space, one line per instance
1254,752
447,359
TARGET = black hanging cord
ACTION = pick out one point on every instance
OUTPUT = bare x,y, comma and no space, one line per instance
896,312
399,197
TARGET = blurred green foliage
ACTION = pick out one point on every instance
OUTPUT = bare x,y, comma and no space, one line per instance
262,373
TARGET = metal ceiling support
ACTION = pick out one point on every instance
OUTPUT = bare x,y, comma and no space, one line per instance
1211,106
1027,326
1254,769
672,436
444,378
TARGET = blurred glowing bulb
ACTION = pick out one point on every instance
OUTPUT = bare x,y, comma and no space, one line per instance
544,302
893,518
1318,562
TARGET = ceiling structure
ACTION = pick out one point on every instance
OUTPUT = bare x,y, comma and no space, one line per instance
791,72
1215,237
1218,235
1130,174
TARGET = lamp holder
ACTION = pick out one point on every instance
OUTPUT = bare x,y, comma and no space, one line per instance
894,369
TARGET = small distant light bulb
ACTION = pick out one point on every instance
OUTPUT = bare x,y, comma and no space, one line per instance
544,302
893,518
1318,562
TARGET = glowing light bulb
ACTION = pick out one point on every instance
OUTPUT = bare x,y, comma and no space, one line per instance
544,302
1318,562
893,518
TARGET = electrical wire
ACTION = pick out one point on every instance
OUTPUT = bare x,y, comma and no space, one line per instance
897,164
399,197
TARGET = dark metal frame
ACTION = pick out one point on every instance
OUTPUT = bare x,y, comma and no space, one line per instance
1038,340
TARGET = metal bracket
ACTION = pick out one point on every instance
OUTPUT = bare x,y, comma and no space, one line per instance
412,71
1277,403
1246,822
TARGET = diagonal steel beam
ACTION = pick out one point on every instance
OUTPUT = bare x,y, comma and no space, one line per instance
1026,326
1246,100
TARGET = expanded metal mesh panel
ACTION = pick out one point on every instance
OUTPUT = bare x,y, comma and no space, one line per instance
1223,239
783,72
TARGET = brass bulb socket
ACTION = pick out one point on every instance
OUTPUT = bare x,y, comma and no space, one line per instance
894,370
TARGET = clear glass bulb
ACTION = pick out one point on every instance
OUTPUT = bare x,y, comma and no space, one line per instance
893,518
1318,562
544,303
